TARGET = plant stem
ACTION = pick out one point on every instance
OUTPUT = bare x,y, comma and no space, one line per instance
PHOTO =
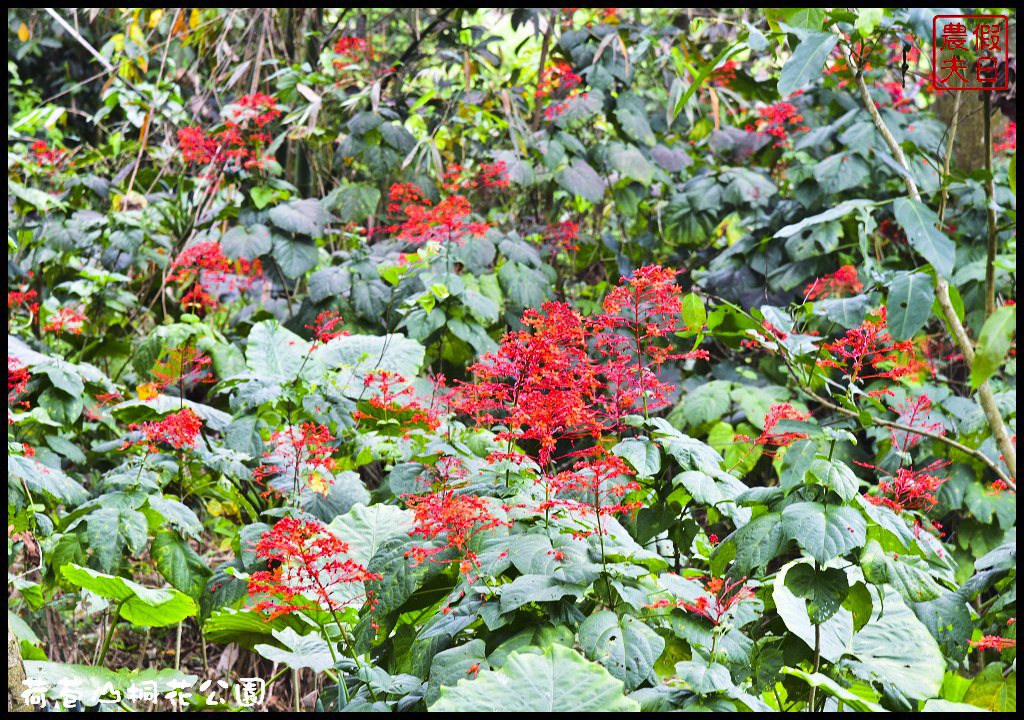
110,633
817,654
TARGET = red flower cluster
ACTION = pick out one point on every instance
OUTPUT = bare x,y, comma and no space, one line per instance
325,328
563,236
1007,139
593,480
44,155
781,411
178,430
724,75
719,599
869,345
994,642
444,223
66,320
183,366
909,489
311,568
445,512
18,376
240,144
456,178
778,120
841,281
301,450
351,50
392,404
560,84
202,265
913,412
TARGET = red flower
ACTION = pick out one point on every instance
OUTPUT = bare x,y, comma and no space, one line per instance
178,430
842,280
909,489
66,320
777,412
324,329
313,566
915,413
869,345
301,452
18,376
994,642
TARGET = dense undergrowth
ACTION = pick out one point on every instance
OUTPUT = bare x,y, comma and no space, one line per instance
572,359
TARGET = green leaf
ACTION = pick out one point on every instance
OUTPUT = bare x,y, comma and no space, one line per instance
557,681
918,222
365,529
989,689
624,645
993,343
110,530
825,589
838,212
835,634
581,179
824,531
897,649
758,542
642,454
247,243
702,678
144,606
948,620
177,514
909,304
524,286
631,163
796,463
858,603
807,62
831,687
867,20
353,202
912,582
848,312
454,664
302,217
43,479
179,563
693,312
806,18
1011,173
273,352
689,452
630,112
703,404
835,474
394,353
303,651
295,256
536,588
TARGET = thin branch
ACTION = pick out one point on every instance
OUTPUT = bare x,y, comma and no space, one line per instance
985,396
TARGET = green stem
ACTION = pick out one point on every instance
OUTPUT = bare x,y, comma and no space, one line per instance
110,633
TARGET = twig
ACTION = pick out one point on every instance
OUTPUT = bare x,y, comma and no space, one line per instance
985,396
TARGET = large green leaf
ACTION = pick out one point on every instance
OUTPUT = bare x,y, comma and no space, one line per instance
914,583
303,217
836,633
839,211
908,305
807,62
631,114
581,179
834,689
110,530
642,454
295,256
179,563
366,528
993,343
704,403
692,454
624,645
631,163
825,589
353,202
536,588
758,542
246,242
918,222
989,690
835,475
274,353
557,681
145,606
394,353
44,479
824,531
524,286
561,557
897,649
302,651
454,664
948,620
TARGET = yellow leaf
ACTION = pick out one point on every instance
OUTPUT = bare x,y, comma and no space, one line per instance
154,18
193,19
23,33
147,391
318,484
